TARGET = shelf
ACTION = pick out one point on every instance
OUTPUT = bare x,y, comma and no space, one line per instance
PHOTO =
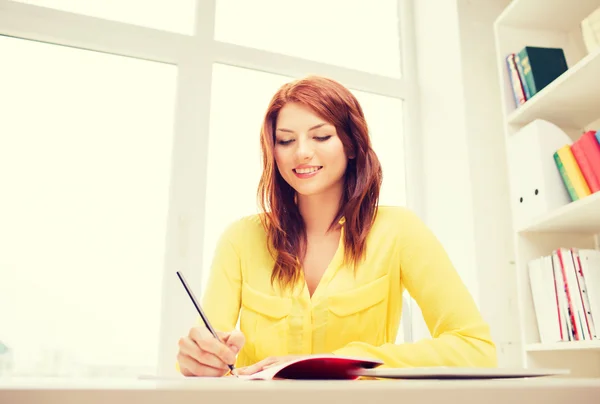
572,100
565,346
581,216
560,15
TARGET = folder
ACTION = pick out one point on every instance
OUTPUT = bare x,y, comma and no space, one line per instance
444,372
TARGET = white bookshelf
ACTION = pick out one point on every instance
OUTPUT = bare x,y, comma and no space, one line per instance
568,101
571,102
582,216
565,346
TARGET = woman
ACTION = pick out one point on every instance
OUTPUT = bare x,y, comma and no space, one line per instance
323,268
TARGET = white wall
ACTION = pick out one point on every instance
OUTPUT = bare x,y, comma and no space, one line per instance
464,164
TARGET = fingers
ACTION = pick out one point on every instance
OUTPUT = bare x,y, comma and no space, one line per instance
187,347
201,354
258,366
235,340
190,367
208,343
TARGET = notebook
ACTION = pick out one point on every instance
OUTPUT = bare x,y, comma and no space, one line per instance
443,372
315,367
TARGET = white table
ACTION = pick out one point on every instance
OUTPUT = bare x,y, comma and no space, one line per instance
547,390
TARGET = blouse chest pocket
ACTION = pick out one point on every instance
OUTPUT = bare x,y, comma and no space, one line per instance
359,314
264,322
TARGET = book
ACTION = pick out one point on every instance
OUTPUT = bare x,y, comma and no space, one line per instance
565,177
331,367
544,296
521,74
589,261
586,151
316,367
540,66
448,372
573,172
583,289
515,81
574,302
565,289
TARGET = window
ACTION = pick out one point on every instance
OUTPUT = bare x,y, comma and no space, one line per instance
115,156
348,33
175,16
85,155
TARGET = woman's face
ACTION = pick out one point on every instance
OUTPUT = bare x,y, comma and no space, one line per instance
308,152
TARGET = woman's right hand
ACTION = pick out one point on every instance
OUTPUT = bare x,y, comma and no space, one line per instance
201,354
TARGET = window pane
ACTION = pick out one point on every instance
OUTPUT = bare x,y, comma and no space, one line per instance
85,154
358,34
175,16
234,143
234,161
384,117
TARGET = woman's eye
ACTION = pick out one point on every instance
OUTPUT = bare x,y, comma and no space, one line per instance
284,142
322,138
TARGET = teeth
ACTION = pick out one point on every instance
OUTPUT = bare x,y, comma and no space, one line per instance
307,170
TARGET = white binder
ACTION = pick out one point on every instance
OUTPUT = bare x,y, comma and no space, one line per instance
536,184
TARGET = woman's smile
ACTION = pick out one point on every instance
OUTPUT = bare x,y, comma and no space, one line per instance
306,171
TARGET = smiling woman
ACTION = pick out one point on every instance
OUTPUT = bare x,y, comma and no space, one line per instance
314,108
323,267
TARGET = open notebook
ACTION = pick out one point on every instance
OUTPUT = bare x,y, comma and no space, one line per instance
342,367
316,367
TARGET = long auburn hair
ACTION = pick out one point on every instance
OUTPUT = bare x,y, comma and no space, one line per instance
286,235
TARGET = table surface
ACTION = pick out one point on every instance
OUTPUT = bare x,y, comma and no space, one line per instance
548,390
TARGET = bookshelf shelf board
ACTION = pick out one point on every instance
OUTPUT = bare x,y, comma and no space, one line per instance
572,100
565,346
581,216
561,15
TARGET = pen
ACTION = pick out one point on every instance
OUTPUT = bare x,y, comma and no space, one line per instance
200,311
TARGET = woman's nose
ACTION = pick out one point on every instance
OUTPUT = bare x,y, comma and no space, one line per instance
304,150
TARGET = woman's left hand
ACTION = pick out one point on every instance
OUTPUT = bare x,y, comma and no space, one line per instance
266,363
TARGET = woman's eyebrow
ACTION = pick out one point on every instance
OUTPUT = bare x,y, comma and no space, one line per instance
313,128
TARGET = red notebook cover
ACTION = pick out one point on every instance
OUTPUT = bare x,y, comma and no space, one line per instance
315,367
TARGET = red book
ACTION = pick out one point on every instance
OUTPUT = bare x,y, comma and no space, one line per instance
571,306
586,151
323,366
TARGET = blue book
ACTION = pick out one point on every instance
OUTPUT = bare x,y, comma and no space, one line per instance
541,66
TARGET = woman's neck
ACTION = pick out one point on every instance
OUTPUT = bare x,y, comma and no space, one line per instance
319,211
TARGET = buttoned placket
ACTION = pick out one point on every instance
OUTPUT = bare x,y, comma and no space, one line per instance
308,319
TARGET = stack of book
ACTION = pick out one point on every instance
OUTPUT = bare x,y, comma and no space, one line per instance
579,165
565,287
532,69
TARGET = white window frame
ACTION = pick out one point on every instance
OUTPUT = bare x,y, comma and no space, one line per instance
194,56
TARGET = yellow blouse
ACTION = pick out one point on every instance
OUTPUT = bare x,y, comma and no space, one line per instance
350,313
